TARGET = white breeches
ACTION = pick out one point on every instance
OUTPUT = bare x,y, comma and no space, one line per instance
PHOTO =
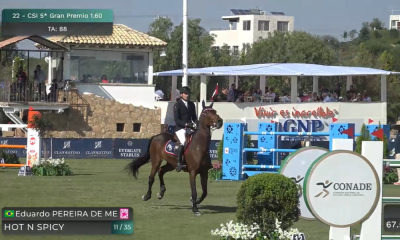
181,134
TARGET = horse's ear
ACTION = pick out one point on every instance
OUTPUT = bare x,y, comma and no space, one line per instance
203,104
212,104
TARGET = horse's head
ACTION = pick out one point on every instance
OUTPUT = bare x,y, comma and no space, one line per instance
210,117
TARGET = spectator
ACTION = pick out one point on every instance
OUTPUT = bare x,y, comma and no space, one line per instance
326,97
84,78
21,78
337,90
286,98
334,97
270,93
257,95
104,79
315,97
231,93
117,78
158,95
323,89
40,77
350,93
366,98
309,97
354,97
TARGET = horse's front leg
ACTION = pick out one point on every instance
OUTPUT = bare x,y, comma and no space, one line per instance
192,176
204,181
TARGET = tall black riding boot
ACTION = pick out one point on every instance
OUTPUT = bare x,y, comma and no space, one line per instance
180,156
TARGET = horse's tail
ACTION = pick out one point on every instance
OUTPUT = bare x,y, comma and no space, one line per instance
133,167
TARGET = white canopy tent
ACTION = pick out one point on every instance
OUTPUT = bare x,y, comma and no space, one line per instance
280,69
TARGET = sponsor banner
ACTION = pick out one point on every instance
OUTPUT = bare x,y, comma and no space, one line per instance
20,152
68,148
129,148
97,148
214,149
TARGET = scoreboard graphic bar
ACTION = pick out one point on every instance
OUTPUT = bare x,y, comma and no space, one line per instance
53,29
67,221
50,22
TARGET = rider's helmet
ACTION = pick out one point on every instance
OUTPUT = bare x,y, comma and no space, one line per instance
185,89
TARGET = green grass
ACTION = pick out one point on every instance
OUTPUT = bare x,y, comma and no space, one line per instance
100,183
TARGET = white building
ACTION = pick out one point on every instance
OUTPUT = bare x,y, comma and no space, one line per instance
394,20
247,26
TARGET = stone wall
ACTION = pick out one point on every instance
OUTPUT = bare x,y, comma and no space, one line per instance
91,116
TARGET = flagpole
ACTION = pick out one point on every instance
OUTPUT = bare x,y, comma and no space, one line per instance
185,44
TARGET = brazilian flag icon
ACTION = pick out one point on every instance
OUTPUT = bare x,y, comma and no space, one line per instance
8,213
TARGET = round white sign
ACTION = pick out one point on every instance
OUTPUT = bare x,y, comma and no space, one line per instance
341,188
295,167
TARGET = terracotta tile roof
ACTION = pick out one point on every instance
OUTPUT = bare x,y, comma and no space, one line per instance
122,35
39,40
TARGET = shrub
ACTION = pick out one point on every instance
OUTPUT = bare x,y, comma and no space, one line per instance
51,167
216,172
265,198
9,158
363,137
390,175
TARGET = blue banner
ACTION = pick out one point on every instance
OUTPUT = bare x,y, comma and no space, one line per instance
68,148
213,149
97,148
129,148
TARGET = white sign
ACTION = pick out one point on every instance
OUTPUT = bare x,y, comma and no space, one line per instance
33,147
295,167
341,188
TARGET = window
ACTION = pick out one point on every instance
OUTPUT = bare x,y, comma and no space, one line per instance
263,25
120,127
117,67
136,127
283,26
246,25
235,50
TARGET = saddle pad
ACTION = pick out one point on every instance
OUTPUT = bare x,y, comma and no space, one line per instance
170,148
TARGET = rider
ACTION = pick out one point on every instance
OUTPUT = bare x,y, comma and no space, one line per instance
185,117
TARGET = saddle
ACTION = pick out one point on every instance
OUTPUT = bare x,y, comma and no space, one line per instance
171,146
188,136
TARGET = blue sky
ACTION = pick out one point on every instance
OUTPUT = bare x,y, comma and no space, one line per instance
314,16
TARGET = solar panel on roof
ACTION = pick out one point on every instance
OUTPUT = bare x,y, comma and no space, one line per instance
235,11
248,12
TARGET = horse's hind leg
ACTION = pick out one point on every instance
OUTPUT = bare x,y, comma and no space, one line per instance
155,165
163,170
204,181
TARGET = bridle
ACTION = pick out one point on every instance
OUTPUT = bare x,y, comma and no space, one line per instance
205,112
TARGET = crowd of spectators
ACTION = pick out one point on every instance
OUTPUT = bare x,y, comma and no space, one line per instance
234,94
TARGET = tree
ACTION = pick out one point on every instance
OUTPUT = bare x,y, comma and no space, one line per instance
293,47
364,136
376,24
345,35
352,34
364,35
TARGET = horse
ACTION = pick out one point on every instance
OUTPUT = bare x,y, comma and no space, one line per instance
196,156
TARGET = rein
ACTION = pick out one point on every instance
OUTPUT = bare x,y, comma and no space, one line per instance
203,113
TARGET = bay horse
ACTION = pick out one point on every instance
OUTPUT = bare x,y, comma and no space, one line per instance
196,156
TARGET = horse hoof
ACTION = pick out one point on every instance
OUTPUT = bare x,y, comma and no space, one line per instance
159,196
197,213
144,198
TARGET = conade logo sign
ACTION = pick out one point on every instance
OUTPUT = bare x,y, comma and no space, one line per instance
295,167
341,188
